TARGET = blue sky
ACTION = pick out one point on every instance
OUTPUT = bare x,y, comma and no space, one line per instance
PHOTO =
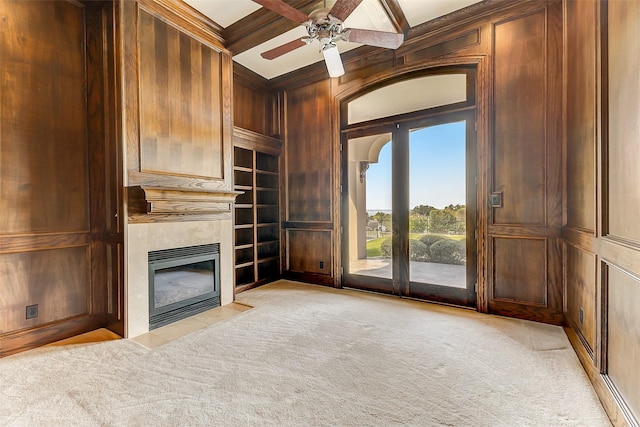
437,169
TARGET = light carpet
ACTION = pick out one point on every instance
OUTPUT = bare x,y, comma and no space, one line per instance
313,356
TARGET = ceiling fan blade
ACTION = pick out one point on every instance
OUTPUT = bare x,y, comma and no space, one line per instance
343,8
375,38
281,8
281,50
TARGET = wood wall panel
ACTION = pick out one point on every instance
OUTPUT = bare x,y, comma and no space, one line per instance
43,122
581,293
623,332
57,280
249,111
620,196
309,153
180,100
520,270
307,249
519,156
581,96
624,120
526,273
57,153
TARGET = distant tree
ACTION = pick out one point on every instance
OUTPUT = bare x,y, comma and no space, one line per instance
454,208
381,216
417,223
441,221
384,219
422,210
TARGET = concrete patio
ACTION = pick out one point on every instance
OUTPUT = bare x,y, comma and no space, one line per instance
423,272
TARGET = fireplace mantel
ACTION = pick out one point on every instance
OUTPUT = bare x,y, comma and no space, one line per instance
154,204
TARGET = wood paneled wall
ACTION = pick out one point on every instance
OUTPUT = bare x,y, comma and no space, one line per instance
620,192
310,207
252,109
58,167
601,239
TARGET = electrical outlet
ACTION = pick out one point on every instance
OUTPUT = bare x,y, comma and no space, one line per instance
32,311
321,264
581,315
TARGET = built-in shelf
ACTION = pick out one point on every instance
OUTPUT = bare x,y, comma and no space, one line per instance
246,264
257,209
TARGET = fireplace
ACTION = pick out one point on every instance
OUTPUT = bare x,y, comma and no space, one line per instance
183,282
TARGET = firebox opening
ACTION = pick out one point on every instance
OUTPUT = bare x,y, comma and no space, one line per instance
183,282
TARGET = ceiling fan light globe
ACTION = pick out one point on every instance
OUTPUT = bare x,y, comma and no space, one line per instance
333,60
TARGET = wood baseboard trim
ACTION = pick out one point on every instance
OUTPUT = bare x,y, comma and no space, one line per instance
316,279
31,338
600,385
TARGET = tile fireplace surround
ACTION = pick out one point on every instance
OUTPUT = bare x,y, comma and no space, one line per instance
142,238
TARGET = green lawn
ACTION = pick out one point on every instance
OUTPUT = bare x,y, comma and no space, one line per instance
373,247
374,250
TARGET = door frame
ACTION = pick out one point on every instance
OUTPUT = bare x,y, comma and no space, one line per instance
400,283
477,100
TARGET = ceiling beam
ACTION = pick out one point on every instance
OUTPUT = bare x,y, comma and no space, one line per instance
263,25
396,15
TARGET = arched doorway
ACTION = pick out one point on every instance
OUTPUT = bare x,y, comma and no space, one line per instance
409,196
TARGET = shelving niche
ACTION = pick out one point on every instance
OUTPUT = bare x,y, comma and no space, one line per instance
256,211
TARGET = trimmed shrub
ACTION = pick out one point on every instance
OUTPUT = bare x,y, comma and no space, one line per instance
417,250
385,247
448,252
428,240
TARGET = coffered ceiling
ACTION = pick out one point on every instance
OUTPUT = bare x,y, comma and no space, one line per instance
250,29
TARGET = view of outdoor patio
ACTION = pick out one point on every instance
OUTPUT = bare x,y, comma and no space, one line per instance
437,246
437,236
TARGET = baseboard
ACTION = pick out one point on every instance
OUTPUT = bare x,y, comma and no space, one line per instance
16,342
316,279
606,395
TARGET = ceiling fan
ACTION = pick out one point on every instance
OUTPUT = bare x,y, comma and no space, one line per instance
326,26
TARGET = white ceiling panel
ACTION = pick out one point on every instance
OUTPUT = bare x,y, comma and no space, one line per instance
224,12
